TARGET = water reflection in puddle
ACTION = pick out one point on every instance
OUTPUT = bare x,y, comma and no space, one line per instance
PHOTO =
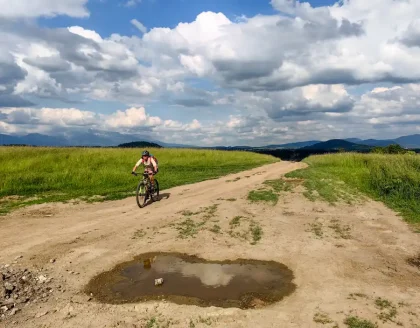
191,280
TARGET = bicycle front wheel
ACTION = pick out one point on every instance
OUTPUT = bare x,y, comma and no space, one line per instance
141,194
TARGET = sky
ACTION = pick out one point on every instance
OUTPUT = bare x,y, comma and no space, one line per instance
211,72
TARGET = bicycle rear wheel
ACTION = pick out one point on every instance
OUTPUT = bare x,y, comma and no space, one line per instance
141,194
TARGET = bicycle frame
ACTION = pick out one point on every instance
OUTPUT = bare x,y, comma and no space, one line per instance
146,180
149,188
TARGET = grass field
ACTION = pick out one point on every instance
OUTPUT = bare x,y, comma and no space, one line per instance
58,174
393,179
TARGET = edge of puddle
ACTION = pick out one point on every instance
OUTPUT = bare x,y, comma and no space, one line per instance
99,285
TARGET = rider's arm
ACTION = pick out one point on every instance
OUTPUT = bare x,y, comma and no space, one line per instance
154,164
137,164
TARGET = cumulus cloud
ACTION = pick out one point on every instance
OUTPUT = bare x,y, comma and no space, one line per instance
292,69
130,118
301,102
253,126
324,45
49,116
411,36
48,8
389,102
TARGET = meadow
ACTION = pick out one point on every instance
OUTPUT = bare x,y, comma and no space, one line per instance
392,179
30,175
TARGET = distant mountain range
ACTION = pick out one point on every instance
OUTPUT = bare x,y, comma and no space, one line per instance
99,138
411,141
294,145
89,138
336,144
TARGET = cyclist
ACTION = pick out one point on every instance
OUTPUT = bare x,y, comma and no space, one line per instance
150,165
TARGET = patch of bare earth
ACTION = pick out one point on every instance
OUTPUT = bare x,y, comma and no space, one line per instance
350,261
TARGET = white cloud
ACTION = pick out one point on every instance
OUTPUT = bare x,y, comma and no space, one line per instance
37,81
399,108
411,36
292,71
195,64
48,8
139,25
286,6
393,102
88,34
132,3
130,118
8,128
64,117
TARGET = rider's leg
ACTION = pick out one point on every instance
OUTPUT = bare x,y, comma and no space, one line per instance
152,180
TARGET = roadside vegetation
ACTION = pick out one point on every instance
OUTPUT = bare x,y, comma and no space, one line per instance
392,179
30,175
270,191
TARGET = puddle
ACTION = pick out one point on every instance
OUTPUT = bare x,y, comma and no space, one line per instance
192,280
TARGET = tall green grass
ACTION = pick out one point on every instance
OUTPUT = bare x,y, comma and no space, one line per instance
57,174
393,179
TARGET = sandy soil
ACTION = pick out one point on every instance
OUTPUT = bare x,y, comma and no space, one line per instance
334,251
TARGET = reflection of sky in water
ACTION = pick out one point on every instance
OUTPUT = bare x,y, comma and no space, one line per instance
213,274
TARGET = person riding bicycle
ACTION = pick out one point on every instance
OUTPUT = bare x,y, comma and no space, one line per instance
150,165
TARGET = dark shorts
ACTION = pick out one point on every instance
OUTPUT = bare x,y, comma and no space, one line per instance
155,172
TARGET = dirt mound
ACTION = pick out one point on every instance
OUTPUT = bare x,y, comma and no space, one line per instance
21,287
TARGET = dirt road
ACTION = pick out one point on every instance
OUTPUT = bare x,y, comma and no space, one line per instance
343,257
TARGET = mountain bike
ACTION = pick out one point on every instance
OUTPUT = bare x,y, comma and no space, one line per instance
146,190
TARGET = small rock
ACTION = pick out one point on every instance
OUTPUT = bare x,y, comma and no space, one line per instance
6,266
52,260
158,281
14,311
42,279
41,314
4,309
8,286
71,272
9,301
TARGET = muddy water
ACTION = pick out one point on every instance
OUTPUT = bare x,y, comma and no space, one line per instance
191,280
